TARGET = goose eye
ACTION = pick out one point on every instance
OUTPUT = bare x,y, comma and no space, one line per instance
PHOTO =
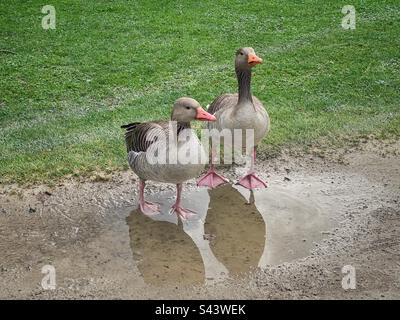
241,53
187,108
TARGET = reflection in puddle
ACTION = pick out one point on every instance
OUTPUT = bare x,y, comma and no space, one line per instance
164,252
235,232
236,229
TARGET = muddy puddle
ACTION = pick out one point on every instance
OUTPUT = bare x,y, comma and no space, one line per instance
235,231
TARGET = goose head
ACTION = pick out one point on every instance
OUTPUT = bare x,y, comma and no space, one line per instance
246,58
187,109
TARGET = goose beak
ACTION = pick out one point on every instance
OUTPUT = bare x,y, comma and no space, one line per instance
203,115
253,59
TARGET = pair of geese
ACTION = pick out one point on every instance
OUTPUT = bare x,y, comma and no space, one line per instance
228,111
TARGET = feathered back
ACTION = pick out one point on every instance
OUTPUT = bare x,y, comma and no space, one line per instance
139,136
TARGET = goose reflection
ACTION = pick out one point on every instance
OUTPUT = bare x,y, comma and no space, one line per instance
165,254
227,239
236,229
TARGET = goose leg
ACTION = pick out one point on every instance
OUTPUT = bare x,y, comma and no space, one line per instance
250,180
146,207
180,211
211,179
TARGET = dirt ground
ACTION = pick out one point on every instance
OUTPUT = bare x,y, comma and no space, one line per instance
90,232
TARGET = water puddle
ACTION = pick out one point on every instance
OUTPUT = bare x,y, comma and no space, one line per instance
236,231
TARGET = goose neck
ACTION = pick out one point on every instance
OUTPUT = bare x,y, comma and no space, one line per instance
244,82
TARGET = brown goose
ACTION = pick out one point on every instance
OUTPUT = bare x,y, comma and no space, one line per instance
158,151
239,111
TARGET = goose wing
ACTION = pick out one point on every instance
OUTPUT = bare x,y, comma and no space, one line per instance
223,102
139,136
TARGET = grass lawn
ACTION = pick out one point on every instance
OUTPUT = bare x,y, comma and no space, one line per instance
64,93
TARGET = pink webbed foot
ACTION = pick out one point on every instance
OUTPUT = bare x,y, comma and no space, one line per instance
149,208
251,181
182,212
211,179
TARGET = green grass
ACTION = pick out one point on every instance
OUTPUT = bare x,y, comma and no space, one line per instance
65,92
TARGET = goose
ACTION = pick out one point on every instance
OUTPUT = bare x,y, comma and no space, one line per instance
148,147
239,111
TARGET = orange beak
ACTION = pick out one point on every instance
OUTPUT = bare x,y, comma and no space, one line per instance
253,59
203,115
